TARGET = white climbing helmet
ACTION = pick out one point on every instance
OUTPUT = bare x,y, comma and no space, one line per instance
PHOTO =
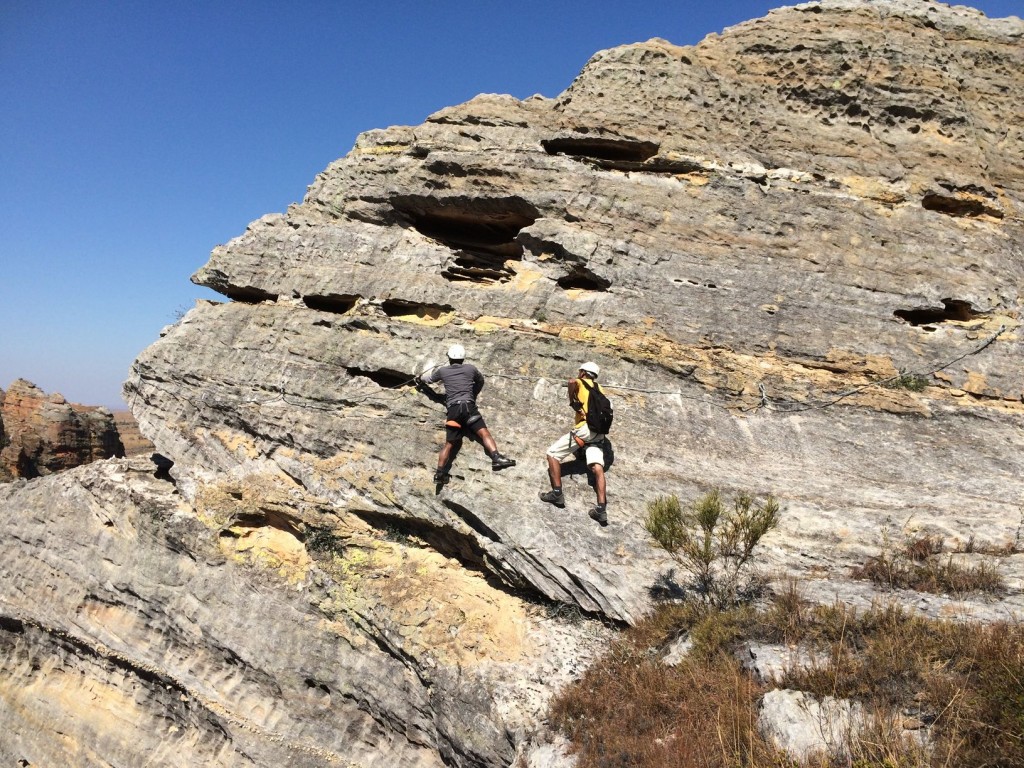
591,368
456,352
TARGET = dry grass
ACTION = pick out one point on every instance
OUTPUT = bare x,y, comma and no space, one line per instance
919,564
631,710
963,684
965,681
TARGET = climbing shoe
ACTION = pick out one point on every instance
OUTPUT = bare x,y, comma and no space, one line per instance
499,462
599,514
441,478
554,496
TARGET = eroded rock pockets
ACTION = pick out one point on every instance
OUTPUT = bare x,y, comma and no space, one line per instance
951,310
480,232
968,202
607,151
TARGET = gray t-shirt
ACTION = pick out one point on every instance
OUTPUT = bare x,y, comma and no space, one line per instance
462,382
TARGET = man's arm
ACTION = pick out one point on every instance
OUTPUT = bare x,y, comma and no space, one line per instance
574,390
478,382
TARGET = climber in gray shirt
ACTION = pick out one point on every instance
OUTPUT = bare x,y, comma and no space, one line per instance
462,383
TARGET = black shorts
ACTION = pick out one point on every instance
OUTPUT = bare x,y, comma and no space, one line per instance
467,417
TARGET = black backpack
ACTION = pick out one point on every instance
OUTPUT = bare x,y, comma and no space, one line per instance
599,410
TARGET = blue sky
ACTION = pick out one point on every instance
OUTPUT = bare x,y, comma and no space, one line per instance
136,136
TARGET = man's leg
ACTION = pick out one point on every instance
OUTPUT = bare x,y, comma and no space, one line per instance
445,458
559,450
599,483
595,463
555,472
491,449
487,441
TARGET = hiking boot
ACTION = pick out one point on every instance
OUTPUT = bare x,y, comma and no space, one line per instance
441,478
499,462
555,497
599,514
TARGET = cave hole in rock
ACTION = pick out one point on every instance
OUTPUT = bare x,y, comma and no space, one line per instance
584,280
331,302
402,309
481,232
14,626
957,206
247,294
951,309
316,684
598,148
264,518
383,377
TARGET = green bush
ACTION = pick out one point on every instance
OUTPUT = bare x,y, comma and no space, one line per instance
710,541
914,382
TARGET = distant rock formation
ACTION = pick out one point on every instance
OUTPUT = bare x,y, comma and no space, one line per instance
763,240
41,434
131,438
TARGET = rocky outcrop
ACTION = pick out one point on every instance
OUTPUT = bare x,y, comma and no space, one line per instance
745,234
136,628
762,239
41,434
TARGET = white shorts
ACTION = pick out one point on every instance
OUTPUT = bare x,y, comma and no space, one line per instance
565,447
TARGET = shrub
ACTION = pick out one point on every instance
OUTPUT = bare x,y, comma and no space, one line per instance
713,544
323,541
914,382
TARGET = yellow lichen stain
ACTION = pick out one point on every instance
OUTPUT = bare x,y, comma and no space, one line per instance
443,609
379,149
237,443
797,380
271,548
975,383
694,179
874,190
434,317
525,278
486,325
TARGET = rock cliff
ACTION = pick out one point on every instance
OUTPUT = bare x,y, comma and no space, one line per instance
761,239
41,434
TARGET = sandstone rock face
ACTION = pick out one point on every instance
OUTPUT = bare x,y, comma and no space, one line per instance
137,629
762,239
745,234
41,434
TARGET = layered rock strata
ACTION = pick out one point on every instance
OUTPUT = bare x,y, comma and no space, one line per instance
795,251
746,234
41,434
